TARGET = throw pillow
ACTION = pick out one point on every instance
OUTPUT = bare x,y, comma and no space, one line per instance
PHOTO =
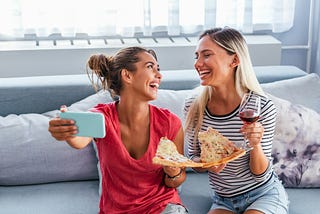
172,100
296,147
301,90
41,158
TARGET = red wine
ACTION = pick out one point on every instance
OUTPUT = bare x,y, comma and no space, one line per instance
249,116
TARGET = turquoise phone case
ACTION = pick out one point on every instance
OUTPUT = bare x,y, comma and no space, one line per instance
90,124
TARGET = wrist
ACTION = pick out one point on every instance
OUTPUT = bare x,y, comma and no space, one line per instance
175,176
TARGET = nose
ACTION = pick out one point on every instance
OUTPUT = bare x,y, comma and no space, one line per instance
158,74
197,63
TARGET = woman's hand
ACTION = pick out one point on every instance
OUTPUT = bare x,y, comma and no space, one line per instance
172,171
65,130
62,129
217,169
253,132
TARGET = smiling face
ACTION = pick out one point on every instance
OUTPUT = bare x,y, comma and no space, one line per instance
146,79
214,64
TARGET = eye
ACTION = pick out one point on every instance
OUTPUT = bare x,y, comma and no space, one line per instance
207,55
150,66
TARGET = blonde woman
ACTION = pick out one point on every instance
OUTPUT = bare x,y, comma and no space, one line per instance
248,184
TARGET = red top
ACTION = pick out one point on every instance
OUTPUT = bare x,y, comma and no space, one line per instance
130,185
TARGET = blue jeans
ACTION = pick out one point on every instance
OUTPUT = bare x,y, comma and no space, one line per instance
174,209
270,198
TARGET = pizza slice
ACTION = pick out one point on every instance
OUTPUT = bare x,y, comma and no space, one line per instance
217,149
168,155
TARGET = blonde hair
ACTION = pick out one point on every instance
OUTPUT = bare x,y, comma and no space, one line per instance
245,79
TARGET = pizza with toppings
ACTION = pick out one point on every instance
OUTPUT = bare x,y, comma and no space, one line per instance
216,149
168,155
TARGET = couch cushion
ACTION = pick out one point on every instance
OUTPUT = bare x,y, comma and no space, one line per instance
302,90
172,100
196,193
267,74
23,95
196,196
296,146
296,143
29,155
79,197
42,159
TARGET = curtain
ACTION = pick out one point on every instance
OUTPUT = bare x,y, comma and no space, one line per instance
315,45
140,17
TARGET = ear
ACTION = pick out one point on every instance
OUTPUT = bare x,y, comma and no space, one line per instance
235,61
126,76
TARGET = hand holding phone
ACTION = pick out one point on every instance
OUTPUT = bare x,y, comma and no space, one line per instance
90,124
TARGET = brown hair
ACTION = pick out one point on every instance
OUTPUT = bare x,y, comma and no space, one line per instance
107,69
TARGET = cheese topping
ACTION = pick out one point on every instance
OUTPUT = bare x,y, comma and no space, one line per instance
214,146
168,150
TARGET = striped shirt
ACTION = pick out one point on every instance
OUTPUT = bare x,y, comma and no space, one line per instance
236,178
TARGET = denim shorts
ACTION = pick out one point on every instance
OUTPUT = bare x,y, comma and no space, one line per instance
174,208
270,198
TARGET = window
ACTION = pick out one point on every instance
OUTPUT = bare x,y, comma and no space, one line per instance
69,18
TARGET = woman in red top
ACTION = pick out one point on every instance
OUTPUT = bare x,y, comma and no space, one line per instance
130,182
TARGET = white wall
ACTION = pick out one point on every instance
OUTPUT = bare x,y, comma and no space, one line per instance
17,59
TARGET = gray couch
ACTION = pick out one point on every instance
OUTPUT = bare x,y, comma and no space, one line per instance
40,175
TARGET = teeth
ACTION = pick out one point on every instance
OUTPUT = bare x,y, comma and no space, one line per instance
154,85
203,72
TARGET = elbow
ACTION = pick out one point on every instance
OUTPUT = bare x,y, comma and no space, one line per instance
79,143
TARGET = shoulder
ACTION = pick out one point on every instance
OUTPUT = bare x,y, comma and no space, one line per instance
268,108
266,102
189,100
104,107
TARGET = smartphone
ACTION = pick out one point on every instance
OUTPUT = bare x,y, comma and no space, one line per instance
90,124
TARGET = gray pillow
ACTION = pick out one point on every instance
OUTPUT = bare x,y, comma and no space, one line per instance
29,155
301,90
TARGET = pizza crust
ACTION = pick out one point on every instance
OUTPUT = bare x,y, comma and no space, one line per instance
168,155
165,162
225,160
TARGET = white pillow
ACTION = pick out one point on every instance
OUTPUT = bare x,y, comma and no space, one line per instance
172,100
301,90
296,147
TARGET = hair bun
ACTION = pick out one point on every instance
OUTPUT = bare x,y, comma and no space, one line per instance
95,61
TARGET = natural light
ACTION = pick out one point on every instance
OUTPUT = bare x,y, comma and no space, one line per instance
127,17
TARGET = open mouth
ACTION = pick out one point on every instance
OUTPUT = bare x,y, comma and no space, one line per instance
154,85
203,73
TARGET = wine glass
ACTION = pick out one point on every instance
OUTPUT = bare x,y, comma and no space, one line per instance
249,112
